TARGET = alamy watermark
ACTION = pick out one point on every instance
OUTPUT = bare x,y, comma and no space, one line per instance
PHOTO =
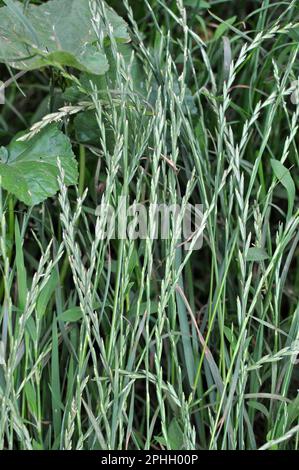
295,93
2,92
182,224
295,352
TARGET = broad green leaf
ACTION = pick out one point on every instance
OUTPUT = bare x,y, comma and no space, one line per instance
175,435
256,254
131,66
144,308
198,4
29,169
284,177
71,315
37,445
57,33
86,126
293,411
223,27
229,335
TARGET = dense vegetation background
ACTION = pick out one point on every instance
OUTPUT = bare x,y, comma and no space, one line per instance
137,344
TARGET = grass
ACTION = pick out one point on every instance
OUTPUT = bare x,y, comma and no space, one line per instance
139,344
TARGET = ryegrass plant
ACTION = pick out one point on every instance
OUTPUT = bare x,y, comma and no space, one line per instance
138,344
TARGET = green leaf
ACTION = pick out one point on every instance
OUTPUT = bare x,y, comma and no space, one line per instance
57,33
86,125
229,335
29,169
31,398
223,27
143,308
132,67
284,177
31,328
256,254
175,435
198,4
71,315
87,128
